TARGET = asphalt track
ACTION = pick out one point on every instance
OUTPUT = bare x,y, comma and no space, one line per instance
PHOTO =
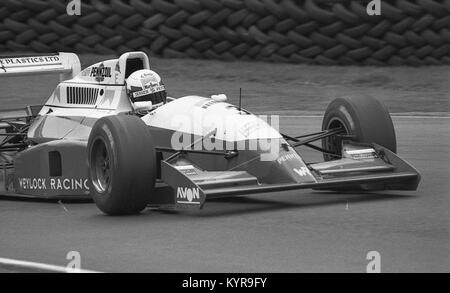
300,231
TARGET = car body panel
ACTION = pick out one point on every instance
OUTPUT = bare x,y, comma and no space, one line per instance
249,154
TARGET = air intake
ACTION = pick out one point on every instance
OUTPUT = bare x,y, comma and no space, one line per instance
82,96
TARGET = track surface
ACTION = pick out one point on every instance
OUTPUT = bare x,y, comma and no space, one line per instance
302,231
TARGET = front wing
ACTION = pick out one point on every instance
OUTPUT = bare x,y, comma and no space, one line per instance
191,187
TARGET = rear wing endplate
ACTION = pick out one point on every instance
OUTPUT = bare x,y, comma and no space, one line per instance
67,65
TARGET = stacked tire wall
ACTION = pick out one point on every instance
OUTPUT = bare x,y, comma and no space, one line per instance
329,32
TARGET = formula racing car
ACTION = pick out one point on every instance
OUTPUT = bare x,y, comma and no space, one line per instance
99,136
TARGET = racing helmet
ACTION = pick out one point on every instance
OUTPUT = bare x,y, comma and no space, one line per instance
146,91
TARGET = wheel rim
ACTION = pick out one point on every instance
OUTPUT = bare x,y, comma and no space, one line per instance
333,143
101,171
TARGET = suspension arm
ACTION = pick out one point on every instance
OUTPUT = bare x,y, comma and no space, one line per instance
313,137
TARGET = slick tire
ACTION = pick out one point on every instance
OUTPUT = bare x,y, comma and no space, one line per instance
367,120
364,118
122,165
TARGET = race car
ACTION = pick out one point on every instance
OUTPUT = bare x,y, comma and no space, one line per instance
99,136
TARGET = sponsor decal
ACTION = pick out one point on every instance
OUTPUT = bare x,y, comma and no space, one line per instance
66,184
100,72
187,170
24,61
2,66
148,91
28,61
208,104
365,154
287,157
33,184
302,172
188,195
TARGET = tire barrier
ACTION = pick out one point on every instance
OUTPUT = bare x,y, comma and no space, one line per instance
328,32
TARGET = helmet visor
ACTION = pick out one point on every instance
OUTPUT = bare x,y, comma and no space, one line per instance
156,95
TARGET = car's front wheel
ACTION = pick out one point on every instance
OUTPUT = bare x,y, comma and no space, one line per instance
122,164
364,118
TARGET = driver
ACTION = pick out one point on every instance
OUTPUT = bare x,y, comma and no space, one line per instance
146,91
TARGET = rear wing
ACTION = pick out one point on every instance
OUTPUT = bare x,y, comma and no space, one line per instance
67,65
21,113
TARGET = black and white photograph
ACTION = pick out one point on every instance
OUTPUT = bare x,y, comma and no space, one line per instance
224,141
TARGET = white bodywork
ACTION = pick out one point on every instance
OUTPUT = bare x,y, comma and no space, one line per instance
201,116
99,90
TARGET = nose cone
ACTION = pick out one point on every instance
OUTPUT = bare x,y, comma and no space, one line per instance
288,167
282,165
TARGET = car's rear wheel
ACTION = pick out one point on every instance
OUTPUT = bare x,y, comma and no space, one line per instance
365,119
122,164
